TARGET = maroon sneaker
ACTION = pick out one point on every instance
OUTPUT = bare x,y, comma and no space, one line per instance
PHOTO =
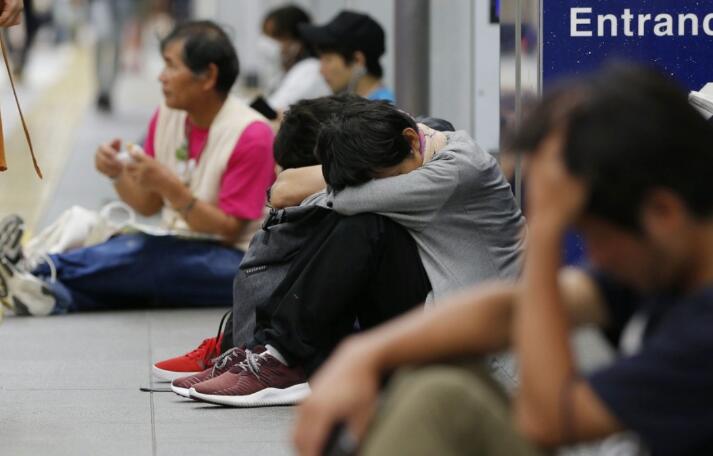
222,364
260,380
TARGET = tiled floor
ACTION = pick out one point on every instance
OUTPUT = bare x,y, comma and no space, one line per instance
69,385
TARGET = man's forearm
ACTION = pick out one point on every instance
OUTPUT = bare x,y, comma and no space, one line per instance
203,217
144,202
542,333
477,321
294,185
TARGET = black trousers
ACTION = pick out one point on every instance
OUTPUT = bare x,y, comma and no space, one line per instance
367,269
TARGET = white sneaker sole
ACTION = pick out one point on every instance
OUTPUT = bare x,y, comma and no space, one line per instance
184,392
263,398
169,376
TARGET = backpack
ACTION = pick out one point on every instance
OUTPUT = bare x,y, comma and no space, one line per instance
259,283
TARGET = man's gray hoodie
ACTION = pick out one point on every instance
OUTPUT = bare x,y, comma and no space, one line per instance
459,209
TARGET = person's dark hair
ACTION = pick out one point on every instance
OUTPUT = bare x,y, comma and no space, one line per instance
204,42
295,141
286,21
372,63
628,130
365,137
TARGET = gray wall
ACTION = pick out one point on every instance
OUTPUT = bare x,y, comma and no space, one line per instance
464,52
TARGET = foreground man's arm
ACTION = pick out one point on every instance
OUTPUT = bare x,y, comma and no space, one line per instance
553,406
477,321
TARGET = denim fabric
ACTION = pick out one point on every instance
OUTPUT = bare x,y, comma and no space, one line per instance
136,270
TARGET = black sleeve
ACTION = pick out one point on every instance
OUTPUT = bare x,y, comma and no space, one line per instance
665,392
621,302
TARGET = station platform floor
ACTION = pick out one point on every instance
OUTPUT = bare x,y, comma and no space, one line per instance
69,385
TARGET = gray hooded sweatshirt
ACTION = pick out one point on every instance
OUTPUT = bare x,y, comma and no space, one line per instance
459,209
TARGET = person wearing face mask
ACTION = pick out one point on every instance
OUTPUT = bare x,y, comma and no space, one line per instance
302,79
349,48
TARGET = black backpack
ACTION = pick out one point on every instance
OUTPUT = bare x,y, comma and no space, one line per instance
259,283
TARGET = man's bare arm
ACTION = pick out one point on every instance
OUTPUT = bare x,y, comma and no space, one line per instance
553,406
294,185
474,322
143,201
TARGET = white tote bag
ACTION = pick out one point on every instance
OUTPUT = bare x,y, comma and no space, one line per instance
80,227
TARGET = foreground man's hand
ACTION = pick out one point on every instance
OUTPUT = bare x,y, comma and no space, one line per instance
345,390
554,198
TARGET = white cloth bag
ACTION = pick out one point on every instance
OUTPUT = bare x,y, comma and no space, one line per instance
80,227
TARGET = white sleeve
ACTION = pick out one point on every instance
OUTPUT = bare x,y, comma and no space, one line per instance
303,81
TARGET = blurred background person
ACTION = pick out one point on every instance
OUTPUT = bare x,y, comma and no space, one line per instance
350,47
302,78
109,18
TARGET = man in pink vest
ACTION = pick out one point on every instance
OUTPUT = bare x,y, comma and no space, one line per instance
206,169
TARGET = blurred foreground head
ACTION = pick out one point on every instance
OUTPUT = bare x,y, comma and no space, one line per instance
645,155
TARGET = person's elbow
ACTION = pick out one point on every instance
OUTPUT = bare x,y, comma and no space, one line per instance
282,195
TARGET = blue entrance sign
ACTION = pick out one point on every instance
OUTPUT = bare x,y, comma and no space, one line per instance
675,35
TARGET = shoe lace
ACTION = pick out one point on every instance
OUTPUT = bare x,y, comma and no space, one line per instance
207,346
206,349
224,359
221,328
252,362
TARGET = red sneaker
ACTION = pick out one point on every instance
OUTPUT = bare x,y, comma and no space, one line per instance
191,363
222,364
260,380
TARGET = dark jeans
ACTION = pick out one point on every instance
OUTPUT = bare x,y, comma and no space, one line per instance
367,269
135,270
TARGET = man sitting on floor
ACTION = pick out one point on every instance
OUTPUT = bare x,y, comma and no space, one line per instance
301,176
601,158
207,166
439,186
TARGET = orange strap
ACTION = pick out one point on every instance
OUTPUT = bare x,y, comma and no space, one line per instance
3,165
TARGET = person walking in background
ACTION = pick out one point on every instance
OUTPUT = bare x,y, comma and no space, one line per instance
109,18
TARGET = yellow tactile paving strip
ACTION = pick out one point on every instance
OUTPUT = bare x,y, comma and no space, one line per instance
52,121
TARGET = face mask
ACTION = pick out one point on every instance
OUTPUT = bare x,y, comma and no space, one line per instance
270,60
290,54
268,49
